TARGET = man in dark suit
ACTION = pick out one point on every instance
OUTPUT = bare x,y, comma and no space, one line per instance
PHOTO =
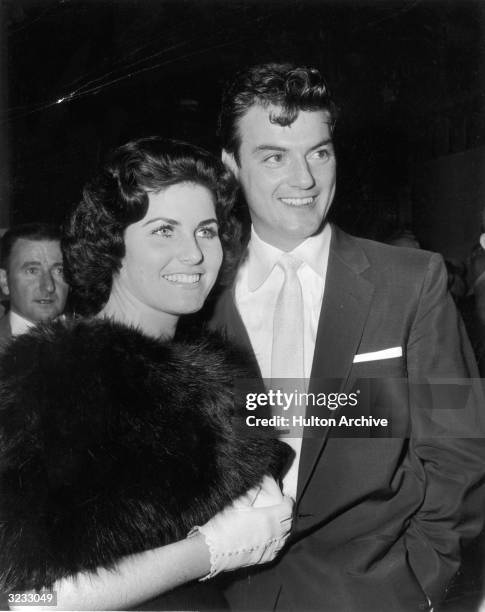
381,511
31,277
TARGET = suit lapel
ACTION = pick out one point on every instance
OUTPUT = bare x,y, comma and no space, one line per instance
226,318
345,308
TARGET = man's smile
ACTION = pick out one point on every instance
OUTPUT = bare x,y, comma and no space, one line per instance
307,201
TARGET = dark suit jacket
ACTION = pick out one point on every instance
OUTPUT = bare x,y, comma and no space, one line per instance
5,336
5,330
380,513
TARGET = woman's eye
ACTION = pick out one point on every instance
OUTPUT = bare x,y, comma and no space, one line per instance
164,231
208,232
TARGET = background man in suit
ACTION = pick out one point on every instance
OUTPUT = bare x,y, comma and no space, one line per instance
31,277
380,514
478,285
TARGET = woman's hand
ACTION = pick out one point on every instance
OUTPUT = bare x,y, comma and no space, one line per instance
250,531
254,528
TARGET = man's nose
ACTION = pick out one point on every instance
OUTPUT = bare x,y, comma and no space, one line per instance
47,283
300,174
190,252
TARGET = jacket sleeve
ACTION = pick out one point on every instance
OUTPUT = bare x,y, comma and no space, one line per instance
447,436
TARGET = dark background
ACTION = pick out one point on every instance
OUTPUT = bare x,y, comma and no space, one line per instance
79,77
409,76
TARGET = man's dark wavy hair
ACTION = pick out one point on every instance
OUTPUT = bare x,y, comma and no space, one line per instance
93,235
289,87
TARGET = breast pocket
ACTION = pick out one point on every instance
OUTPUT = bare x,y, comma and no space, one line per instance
382,389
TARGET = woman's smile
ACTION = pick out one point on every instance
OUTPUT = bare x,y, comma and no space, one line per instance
182,279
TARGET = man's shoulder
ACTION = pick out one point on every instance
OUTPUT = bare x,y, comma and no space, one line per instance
5,329
386,258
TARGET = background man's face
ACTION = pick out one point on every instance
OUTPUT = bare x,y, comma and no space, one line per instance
34,281
287,174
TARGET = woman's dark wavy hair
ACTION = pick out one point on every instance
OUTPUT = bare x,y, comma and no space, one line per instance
93,235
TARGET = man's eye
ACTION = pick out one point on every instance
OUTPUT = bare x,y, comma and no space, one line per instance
164,230
275,158
59,270
207,232
31,270
323,154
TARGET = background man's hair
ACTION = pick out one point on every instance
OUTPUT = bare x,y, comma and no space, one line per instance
289,87
27,231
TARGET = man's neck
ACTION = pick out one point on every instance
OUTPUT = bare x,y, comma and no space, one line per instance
284,244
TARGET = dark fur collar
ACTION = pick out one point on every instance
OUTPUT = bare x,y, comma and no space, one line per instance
113,443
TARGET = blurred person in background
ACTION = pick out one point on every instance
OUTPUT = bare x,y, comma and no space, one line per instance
31,277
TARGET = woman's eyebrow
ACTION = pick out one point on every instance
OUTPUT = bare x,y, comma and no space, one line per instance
175,222
164,219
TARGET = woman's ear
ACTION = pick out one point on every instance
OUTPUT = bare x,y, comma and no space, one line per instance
482,241
229,161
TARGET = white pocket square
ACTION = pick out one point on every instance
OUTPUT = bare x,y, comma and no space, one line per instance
390,353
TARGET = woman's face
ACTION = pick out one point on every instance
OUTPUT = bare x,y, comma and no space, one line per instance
173,254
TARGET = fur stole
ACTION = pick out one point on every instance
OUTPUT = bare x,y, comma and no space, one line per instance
112,443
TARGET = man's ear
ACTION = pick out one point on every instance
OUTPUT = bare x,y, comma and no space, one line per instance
4,282
482,241
230,162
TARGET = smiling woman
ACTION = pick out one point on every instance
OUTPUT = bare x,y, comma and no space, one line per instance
172,259
117,440
155,203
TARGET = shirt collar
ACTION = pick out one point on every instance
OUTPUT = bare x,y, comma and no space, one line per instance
262,257
18,324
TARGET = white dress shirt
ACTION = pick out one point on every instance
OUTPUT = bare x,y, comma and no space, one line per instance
18,324
258,284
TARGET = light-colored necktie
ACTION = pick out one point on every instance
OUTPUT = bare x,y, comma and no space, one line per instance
287,361
287,352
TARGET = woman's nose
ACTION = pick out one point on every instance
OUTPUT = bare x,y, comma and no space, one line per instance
190,252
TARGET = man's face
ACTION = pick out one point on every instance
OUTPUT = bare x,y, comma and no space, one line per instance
287,174
34,281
